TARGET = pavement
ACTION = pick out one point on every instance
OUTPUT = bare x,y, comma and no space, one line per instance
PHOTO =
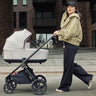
52,70
78,88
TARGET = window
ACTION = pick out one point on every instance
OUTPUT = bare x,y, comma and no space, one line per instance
14,2
24,2
93,8
44,19
48,15
43,1
23,19
14,19
44,15
82,0
38,15
42,38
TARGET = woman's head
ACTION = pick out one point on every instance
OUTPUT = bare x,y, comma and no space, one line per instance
71,7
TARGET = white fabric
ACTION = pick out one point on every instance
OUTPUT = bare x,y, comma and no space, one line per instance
25,53
13,48
17,39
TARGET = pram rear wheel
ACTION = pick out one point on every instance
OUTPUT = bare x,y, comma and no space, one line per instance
41,77
9,87
39,87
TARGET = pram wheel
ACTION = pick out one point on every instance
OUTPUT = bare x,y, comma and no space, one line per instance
41,77
14,85
39,87
9,87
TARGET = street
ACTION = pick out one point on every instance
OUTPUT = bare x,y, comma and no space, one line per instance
52,70
78,88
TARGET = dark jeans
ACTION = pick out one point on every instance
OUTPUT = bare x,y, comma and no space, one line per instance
71,68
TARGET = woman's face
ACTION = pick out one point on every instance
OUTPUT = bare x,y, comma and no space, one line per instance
70,9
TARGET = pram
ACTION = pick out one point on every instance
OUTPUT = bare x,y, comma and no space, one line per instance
16,50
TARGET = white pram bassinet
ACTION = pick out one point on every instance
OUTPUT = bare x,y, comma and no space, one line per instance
15,48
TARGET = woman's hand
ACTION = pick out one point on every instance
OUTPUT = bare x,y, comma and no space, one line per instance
55,33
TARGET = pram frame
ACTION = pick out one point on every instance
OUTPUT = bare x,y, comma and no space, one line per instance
25,63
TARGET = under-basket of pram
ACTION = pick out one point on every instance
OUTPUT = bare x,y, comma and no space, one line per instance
15,50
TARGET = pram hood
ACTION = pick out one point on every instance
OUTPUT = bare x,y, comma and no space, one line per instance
17,40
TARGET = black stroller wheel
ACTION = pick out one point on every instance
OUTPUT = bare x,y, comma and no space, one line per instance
39,87
8,88
41,77
13,84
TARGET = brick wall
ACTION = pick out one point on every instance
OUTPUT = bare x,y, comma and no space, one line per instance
84,8
30,15
5,21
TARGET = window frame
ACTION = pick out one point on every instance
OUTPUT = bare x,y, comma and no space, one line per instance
23,2
15,1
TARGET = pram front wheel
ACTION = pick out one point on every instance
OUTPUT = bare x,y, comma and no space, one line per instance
9,87
41,77
39,87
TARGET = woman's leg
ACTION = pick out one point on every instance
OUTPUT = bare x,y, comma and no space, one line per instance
69,55
81,73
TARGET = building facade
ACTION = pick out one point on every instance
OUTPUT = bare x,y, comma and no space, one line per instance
5,21
23,15
42,18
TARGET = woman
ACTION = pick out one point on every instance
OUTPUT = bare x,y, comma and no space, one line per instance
71,34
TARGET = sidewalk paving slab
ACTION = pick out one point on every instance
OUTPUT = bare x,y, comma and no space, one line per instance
78,88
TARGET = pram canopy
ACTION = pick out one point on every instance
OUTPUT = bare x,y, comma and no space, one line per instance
15,50
17,40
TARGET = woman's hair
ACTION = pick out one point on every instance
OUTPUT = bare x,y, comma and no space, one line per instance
78,12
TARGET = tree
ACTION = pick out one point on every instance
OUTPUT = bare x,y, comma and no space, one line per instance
6,29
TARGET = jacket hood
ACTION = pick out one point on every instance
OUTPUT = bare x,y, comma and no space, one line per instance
74,15
67,19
